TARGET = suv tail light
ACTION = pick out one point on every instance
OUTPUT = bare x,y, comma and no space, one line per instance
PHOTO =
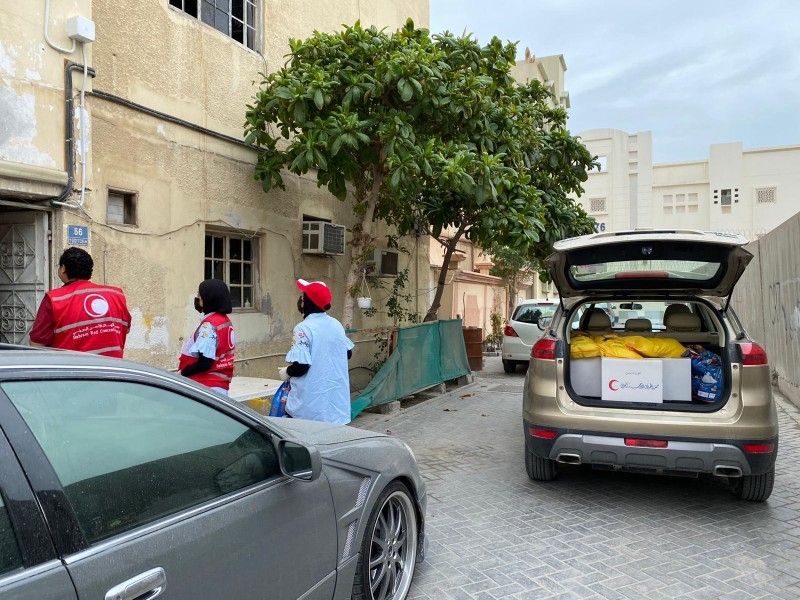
544,349
508,331
646,443
545,434
759,448
753,354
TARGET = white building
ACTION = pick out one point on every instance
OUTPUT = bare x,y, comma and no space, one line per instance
748,192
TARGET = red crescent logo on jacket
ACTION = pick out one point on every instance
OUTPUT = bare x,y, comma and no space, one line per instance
95,305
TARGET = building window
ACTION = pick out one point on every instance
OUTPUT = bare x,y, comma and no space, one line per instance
725,200
597,205
767,195
121,208
234,18
232,258
603,162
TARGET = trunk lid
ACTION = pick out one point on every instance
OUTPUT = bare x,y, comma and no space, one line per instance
649,263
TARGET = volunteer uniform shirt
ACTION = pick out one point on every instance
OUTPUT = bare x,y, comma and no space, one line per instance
205,342
323,393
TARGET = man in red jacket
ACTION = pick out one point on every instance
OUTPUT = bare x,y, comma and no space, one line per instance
81,315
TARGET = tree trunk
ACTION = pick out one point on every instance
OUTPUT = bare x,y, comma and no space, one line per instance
362,238
512,292
450,248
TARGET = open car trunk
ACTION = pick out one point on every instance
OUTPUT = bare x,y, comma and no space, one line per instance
648,354
647,316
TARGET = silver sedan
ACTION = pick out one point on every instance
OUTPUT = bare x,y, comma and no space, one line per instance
124,482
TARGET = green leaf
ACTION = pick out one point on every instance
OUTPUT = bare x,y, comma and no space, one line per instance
405,89
336,146
318,101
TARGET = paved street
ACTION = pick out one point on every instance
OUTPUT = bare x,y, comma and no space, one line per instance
493,533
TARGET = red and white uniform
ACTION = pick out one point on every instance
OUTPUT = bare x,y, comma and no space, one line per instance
89,317
221,372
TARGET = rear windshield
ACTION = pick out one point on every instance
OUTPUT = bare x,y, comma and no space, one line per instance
668,265
531,313
650,269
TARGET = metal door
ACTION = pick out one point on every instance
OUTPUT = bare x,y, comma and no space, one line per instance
23,272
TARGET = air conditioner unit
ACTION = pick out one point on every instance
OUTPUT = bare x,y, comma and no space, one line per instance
385,263
321,237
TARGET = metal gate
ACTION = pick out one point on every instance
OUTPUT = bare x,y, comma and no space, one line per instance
23,272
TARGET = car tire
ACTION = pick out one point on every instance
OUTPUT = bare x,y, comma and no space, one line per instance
389,548
540,469
755,488
509,366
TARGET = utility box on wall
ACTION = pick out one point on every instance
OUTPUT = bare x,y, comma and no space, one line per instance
321,237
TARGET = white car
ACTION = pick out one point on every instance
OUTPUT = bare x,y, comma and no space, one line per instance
522,331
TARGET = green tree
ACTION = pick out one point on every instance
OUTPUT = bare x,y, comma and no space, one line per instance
426,132
514,267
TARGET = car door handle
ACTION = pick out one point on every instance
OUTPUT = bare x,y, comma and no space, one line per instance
144,586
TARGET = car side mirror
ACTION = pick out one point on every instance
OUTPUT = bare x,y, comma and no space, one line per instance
299,461
544,322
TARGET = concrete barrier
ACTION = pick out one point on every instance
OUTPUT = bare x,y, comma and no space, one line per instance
767,300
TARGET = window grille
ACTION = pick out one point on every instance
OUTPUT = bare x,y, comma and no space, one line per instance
766,195
234,18
233,259
597,205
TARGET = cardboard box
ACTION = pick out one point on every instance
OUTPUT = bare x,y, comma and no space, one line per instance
584,375
677,374
631,380
587,379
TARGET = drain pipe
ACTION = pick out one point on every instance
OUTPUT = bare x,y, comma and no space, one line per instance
70,130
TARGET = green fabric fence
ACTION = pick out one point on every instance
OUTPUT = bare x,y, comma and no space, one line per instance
425,355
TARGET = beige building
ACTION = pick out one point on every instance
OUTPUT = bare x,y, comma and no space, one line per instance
749,192
138,156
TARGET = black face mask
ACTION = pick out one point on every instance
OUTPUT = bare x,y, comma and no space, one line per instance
197,306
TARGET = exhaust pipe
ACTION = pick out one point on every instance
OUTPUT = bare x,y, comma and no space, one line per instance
727,471
569,459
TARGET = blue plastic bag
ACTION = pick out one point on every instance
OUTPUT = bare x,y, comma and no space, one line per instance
278,406
707,377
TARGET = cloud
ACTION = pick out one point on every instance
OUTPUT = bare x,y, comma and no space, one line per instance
694,72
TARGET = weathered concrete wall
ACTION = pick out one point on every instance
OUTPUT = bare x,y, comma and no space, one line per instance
185,183
767,300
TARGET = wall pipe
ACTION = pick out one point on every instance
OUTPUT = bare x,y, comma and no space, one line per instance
170,118
69,148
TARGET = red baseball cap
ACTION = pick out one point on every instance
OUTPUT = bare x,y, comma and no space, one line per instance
317,292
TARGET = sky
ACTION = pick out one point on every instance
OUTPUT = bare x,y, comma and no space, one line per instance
695,73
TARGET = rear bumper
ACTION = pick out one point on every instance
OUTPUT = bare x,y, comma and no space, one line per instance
516,349
682,455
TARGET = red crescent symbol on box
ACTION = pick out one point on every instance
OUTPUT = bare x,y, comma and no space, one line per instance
613,385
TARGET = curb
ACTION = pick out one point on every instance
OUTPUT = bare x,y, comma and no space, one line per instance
368,420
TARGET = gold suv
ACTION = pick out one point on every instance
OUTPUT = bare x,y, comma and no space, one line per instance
670,382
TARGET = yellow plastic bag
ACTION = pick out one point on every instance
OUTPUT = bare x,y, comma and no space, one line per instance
655,347
604,337
616,348
583,347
